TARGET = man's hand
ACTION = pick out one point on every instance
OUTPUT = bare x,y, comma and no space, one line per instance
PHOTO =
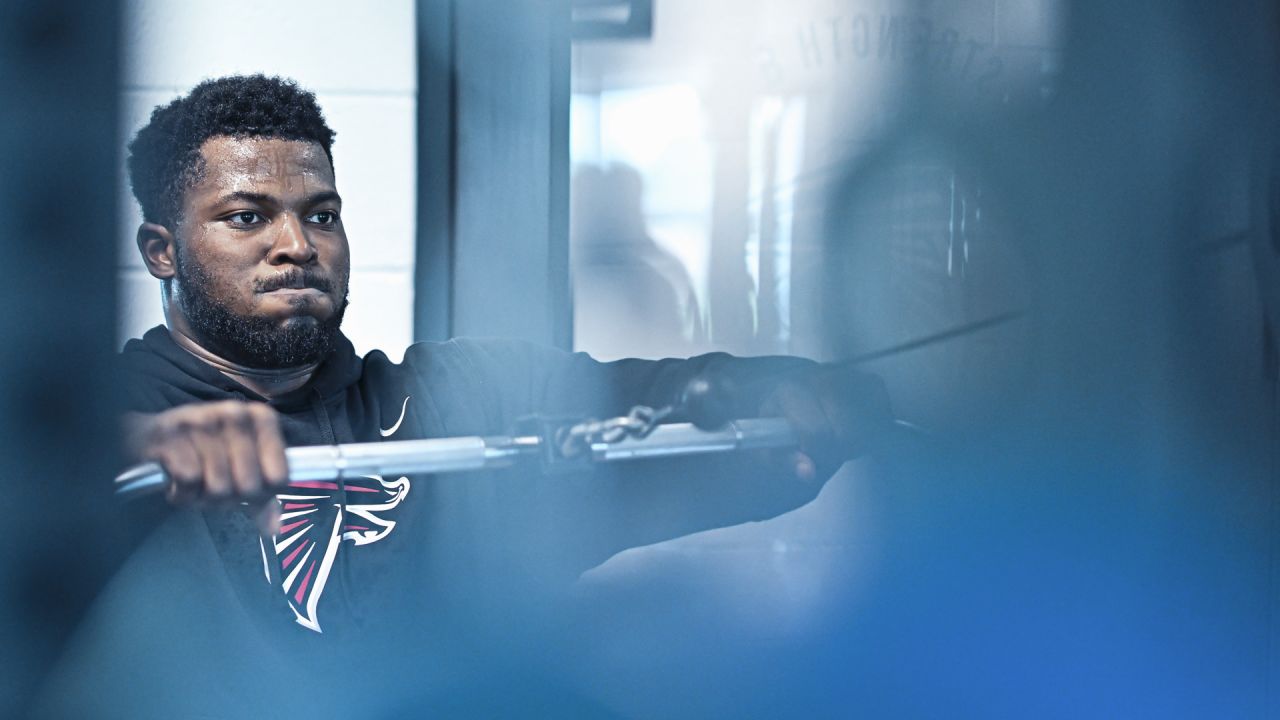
218,453
837,413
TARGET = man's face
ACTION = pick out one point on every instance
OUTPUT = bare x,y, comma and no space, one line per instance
262,258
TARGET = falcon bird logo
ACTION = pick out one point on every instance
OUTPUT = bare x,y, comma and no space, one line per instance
316,518
313,525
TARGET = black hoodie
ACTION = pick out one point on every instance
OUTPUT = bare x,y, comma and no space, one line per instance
505,529
438,561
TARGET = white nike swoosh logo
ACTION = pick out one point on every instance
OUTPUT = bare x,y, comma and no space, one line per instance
391,430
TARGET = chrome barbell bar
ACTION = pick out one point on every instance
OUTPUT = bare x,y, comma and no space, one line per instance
441,455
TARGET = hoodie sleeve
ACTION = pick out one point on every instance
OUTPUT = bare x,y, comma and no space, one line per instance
523,378
626,505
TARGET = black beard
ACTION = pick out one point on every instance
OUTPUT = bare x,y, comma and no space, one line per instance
254,341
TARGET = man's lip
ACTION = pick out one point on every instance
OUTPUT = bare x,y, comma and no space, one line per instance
293,291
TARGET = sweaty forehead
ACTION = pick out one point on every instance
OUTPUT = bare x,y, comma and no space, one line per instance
244,163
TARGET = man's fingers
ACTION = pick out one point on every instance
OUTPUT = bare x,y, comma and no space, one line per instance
859,408
182,464
240,434
271,457
220,452
802,406
840,417
806,410
214,464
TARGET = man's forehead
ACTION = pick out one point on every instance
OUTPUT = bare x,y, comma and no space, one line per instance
232,162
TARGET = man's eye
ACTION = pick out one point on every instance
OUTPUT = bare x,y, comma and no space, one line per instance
245,218
324,217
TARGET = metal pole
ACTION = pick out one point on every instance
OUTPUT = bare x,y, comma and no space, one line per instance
440,455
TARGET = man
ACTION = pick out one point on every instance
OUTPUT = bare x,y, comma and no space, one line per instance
243,227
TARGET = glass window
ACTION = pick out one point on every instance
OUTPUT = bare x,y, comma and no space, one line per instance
715,165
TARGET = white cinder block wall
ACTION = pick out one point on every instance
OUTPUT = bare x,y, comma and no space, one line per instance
360,60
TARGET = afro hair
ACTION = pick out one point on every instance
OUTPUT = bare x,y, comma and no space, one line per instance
164,157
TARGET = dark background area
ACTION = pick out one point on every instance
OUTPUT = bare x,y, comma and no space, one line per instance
58,69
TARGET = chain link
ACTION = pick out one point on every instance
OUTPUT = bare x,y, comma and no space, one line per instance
638,424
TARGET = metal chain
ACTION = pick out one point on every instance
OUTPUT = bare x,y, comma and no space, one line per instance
638,423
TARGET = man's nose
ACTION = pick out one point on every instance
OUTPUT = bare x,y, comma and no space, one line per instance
291,244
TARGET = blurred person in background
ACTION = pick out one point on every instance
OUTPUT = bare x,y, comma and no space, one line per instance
629,291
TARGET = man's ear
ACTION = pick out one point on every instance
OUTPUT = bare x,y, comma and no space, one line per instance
159,250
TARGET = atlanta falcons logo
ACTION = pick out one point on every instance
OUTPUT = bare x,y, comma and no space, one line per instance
313,523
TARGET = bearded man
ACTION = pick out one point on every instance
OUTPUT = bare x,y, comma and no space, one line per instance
243,228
